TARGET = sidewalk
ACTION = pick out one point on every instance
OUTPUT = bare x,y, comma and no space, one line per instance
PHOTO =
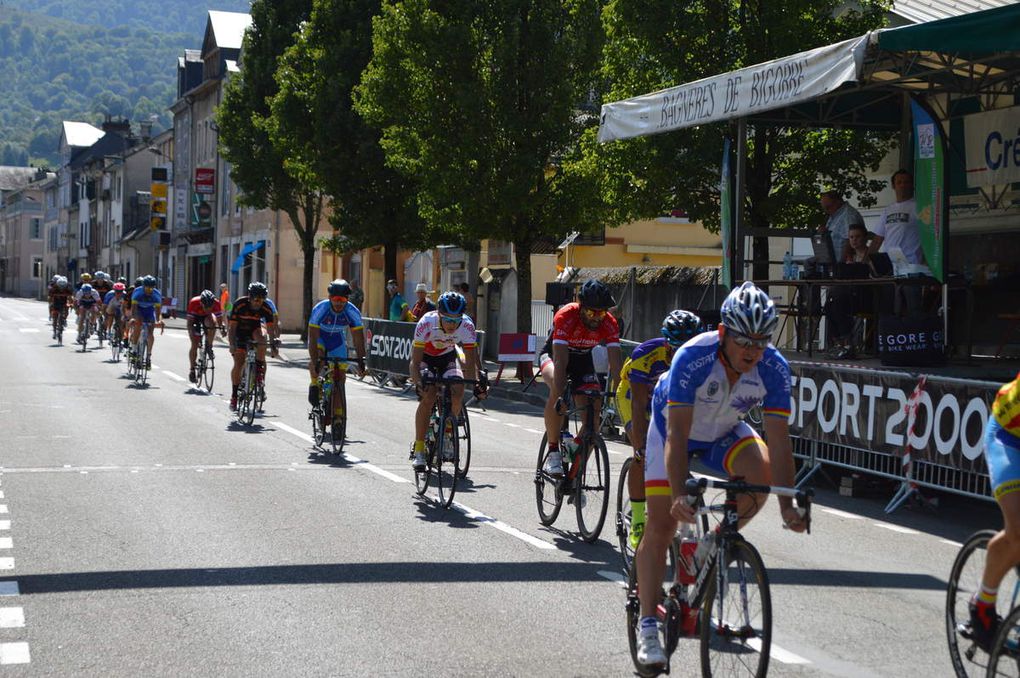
293,351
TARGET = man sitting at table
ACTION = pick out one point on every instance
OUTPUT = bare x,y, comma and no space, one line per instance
841,216
844,301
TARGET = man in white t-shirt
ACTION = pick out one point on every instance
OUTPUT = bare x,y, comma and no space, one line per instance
898,226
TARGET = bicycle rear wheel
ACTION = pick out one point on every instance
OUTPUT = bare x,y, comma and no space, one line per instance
964,581
547,488
736,620
445,463
141,371
318,430
115,342
623,513
1005,658
633,620
464,460
338,425
591,490
423,478
246,395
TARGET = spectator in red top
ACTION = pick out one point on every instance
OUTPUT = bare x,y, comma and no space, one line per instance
577,328
204,314
424,304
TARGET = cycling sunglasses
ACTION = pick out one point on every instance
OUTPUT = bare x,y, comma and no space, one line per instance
338,300
458,319
594,313
744,341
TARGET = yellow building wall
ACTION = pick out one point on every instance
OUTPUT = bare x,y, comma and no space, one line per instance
664,241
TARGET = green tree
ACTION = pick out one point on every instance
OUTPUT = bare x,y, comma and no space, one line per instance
658,44
328,142
479,103
259,167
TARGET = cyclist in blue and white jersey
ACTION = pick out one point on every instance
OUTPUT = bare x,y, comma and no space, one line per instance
327,335
87,301
698,408
145,303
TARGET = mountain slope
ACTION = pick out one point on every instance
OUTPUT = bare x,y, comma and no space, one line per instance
156,15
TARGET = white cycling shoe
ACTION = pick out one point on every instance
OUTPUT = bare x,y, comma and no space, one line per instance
419,461
554,463
649,650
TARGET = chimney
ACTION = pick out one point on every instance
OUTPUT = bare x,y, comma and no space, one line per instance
145,130
121,126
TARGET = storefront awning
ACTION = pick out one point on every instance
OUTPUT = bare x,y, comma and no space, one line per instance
245,251
856,83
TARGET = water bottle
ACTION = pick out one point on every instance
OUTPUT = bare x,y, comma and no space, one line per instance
788,273
686,567
430,432
567,446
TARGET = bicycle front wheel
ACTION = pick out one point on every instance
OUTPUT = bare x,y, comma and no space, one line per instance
736,617
623,515
141,371
338,427
1005,657
547,488
208,372
447,452
464,432
591,490
964,581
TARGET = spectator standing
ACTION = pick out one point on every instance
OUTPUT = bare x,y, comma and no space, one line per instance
398,307
841,216
357,295
423,305
225,297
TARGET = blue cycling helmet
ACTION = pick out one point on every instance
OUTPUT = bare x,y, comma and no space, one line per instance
149,281
679,326
750,311
451,303
86,289
595,294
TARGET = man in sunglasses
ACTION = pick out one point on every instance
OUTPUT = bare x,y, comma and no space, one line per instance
435,350
698,408
577,328
204,315
327,338
250,320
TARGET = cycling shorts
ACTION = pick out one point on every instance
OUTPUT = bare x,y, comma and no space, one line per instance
197,326
243,336
445,366
718,456
1002,454
148,315
339,351
580,370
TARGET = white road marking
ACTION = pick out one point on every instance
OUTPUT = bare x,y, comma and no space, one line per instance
535,431
6,563
14,653
3,508
502,527
1,494
951,542
28,330
896,528
9,588
12,617
779,653
290,429
614,577
353,460
173,376
5,524
841,514
512,425
6,543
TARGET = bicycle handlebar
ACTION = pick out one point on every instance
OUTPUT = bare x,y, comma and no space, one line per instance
696,487
427,379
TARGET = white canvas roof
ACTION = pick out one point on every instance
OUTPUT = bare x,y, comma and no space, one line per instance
228,28
919,11
81,134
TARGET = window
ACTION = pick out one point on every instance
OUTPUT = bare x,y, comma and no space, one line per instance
35,229
37,267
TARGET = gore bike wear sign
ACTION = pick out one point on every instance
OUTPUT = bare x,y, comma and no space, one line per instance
864,409
929,188
389,345
992,141
737,94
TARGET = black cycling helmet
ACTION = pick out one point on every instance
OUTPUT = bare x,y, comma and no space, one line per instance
451,303
138,281
339,288
122,279
258,290
595,294
207,298
679,326
149,281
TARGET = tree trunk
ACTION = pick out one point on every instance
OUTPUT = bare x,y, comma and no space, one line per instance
522,249
389,272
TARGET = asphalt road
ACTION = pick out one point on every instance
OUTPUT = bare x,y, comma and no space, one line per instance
144,533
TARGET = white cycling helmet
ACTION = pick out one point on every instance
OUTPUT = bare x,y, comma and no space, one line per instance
750,311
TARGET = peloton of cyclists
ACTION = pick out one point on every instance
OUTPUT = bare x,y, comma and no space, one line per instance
640,372
204,316
713,380
577,328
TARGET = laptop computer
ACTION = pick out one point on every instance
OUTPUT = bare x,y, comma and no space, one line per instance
824,252
882,264
854,271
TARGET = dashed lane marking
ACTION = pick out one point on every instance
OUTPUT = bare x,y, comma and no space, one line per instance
535,431
3,508
12,617
779,653
6,563
28,330
351,459
6,543
173,376
841,514
14,653
896,528
5,524
502,527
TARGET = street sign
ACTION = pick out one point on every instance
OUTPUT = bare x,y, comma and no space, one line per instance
205,180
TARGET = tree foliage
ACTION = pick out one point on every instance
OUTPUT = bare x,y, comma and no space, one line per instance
480,103
656,44
259,167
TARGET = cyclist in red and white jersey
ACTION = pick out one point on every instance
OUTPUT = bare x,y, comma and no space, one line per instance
577,328
204,315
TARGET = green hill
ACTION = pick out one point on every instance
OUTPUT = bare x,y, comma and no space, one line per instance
56,69
186,16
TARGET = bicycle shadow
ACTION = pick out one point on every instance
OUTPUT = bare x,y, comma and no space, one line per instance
235,426
319,457
601,552
469,486
198,390
431,511
140,387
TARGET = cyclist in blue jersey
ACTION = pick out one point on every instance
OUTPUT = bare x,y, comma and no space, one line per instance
327,335
698,408
145,303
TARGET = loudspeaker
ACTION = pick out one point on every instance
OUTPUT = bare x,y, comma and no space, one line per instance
557,293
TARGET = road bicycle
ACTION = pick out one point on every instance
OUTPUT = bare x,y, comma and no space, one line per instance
332,399
140,358
720,590
251,392
116,338
59,325
585,480
623,516
88,326
205,364
968,659
444,465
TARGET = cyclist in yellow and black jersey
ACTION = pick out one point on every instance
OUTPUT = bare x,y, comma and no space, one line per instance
634,401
